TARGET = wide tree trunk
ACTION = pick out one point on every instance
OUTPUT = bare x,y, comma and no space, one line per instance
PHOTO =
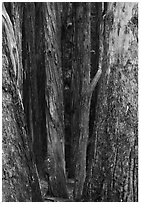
20,180
113,170
36,59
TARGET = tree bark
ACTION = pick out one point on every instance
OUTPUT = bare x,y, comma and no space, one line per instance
36,61
51,48
30,80
82,93
55,160
66,49
113,171
20,180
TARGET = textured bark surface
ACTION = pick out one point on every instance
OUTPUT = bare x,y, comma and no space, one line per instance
16,17
65,137
113,170
34,43
82,91
96,17
30,80
20,180
43,80
55,160
80,81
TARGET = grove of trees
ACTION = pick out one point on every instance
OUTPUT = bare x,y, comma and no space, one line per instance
70,101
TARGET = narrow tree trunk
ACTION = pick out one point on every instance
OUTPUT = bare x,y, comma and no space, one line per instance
67,45
30,76
81,66
55,160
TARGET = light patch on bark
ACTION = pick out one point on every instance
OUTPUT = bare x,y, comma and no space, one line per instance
122,42
11,41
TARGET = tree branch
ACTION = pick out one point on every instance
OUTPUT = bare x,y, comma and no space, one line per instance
95,80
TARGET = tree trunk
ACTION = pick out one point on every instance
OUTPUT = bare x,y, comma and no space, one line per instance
53,57
30,79
80,81
34,83
55,160
37,66
82,90
67,46
113,170
20,179
45,111
96,17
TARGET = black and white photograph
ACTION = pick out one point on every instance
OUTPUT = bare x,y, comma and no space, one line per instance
69,101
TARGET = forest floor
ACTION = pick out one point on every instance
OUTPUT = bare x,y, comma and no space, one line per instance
70,187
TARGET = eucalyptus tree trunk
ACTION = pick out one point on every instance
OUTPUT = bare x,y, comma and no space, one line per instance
82,90
113,171
19,180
